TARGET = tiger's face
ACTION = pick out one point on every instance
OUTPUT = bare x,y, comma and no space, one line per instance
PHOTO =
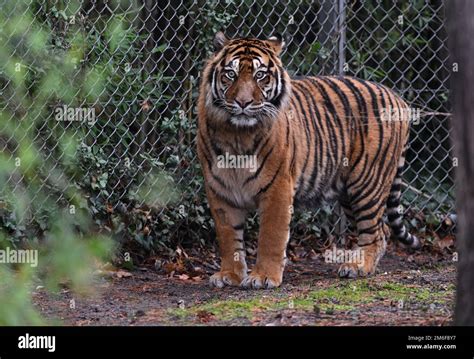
248,84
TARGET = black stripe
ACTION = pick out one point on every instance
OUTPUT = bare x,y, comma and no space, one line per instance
227,201
318,144
330,106
239,227
342,96
371,215
363,118
302,118
255,175
269,184
277,100
293,155
245,53
329,134
392,217
256,142
366,173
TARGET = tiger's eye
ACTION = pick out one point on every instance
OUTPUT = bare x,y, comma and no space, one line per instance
260,75
230,74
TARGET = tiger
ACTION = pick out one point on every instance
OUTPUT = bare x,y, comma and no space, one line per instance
314,139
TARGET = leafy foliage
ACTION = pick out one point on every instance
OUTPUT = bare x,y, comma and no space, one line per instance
134,170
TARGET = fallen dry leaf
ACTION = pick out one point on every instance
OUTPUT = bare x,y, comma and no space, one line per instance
446,242
173,267
123,274
204,316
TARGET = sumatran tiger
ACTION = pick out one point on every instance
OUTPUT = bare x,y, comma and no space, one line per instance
313,138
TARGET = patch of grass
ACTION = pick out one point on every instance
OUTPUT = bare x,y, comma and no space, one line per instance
340,297
398,291
228,309
328,299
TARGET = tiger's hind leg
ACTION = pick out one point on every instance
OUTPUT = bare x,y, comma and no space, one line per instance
367,253
367,206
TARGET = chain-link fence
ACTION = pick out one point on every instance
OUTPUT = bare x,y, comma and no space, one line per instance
140,62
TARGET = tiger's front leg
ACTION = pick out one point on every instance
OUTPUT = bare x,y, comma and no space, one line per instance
229,224
275,216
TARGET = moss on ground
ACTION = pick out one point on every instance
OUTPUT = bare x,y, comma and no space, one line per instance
343,296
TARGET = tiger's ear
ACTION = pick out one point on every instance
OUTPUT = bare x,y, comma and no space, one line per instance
277,43
220,40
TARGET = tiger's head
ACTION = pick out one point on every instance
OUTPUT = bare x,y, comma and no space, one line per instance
244,81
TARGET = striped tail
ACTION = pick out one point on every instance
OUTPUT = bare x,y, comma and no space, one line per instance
394,212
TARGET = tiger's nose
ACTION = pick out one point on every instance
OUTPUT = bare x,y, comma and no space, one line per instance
243,103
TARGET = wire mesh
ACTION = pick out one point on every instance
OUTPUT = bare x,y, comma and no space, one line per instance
145,116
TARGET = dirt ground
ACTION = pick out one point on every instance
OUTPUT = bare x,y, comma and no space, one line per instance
408,289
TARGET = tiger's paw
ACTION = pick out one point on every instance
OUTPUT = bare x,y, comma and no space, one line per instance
225,278
365,263
256,280
352,270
